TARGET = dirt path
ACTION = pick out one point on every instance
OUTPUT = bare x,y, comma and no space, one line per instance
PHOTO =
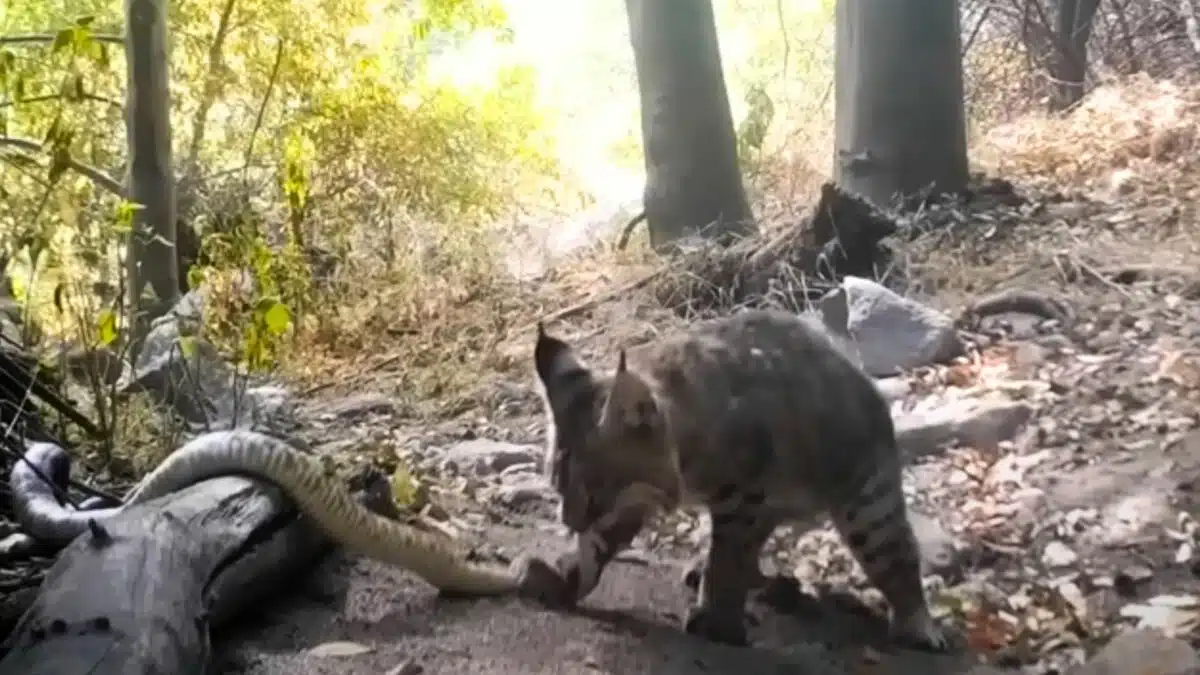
1079,526
629,626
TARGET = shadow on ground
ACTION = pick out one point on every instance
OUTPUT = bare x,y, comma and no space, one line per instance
628,627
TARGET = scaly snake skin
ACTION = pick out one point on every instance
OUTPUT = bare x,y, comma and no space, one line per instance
436,560
439,561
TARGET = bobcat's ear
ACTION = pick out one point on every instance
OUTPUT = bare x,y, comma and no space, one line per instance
630,407
556,362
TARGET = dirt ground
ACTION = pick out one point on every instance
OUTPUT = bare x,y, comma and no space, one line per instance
628,626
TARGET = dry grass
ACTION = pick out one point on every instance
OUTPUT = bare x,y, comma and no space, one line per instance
1127,157
1131,143
1146,126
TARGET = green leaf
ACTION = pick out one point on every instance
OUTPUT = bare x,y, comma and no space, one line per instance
187,346
195,276
123,216
106,327
421,28
64,38
276,316
404,487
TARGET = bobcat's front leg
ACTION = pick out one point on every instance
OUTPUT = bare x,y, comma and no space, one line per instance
612,533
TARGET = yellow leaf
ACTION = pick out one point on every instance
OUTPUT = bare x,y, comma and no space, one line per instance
404,488
106,327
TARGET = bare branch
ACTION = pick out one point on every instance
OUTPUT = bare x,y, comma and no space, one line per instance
97,176
40,38
983,17
262,108
212,86
54,97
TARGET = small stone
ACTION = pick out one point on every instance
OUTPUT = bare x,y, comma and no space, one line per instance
520,494
1058,554
409,667
364,405
485,456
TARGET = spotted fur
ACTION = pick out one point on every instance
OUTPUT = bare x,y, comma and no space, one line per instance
763,419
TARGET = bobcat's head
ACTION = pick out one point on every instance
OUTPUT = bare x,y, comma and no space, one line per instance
605,432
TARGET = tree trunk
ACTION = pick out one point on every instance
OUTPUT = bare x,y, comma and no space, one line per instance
151,259
900,124
1073,28
692,173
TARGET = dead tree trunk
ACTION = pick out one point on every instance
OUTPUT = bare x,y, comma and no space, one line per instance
900,124
137,595
1072,30
693,179
151,259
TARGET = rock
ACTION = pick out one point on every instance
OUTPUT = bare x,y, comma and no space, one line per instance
520,493
409,667
978,422
834,307
198,384
893,388
1142,651
484,456
939,551
1172,614
892,333
1058,554
363,405
97,363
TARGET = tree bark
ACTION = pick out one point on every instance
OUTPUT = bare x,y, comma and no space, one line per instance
692,174
151,259
138,596
1072,30
900,123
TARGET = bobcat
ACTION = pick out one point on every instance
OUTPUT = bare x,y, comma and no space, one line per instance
760,417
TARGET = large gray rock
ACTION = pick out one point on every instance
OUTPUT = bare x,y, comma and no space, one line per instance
981,423
200,386
891,333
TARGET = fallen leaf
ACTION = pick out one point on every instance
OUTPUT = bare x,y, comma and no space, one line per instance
340,649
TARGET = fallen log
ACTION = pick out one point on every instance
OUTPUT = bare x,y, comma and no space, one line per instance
138,594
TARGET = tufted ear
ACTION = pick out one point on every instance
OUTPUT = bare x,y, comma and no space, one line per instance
556,362
630,408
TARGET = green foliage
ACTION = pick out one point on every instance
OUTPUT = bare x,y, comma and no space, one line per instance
752,132
252,292
336,102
